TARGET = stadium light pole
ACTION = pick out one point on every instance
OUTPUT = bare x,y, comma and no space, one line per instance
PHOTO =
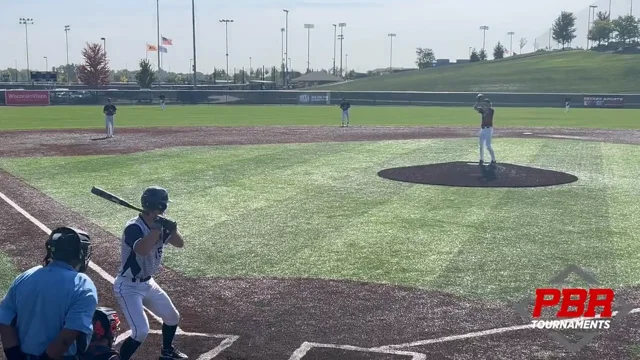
308,27
250,68
511,33
66,36
341,37
391,36
16,70
104,44
193,25
335,37
46,63
26,22
226,40
282,53
286,47
484,29
592,8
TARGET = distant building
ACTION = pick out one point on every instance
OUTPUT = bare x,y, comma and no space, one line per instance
463,61
442,62
315,79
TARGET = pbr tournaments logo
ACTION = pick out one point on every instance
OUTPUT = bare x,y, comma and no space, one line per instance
559,311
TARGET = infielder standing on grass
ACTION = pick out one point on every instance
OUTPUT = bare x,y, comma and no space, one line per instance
143,242
483,106
345,106
109,111
567,104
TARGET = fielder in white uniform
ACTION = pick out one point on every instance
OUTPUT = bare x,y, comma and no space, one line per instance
143,242
345,106
486,128
109,111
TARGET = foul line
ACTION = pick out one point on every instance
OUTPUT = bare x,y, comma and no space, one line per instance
229,339
477,334
306,346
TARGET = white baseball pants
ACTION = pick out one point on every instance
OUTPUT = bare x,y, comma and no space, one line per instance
108,121
132,296
345,116
485,140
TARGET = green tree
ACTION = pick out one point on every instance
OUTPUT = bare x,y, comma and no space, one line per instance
564,28
145,76
498,51
474,57
482,55
626,27
426,58
601,31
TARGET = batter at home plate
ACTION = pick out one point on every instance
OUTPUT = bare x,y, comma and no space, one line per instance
143,242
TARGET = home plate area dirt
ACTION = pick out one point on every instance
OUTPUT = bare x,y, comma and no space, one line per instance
295,319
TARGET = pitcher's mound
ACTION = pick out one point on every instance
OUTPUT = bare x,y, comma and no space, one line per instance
466,174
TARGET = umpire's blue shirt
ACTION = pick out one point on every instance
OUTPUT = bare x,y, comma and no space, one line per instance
46,300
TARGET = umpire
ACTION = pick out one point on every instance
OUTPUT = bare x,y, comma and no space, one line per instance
48,310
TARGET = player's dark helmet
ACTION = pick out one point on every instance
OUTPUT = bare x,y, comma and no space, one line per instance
69,245
155,198
106,325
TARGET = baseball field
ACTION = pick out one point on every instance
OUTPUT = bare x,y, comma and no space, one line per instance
296,249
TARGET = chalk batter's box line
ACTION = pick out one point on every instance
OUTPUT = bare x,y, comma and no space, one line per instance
306,346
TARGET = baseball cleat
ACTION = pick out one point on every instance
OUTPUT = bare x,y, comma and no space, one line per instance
172,353
480,162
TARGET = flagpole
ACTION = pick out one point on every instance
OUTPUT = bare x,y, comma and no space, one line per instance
158,29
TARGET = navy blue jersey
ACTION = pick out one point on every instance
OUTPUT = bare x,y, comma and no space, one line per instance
345,106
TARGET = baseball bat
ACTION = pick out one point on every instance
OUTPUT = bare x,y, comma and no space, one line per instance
114,198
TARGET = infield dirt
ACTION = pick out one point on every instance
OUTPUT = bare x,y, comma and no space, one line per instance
274,317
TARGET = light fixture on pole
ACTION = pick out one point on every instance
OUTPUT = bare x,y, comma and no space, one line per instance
46,63
391,36
308,27
26,22
67,28
341,37
484,29
335,37
226,40
286,47
511,33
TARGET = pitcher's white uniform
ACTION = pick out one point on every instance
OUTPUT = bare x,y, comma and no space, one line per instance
486,129
135,286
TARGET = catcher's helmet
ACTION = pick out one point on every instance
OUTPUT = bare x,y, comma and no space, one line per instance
155,198
106,324
70,245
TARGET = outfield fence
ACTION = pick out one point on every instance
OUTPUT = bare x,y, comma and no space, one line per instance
298,97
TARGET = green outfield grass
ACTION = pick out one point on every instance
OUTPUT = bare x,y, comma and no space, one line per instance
569,71
8,272
69,117
319,210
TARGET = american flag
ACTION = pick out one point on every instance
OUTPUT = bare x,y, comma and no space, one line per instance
166,41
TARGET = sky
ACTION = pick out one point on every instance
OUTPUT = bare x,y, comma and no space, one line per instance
450,28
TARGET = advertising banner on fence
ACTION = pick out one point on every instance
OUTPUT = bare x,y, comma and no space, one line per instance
603,101
315,99
26,97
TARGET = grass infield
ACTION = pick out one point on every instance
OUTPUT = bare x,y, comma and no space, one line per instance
69,117
319,210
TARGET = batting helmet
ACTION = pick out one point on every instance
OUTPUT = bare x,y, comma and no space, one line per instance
106,324
155,198
70,245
